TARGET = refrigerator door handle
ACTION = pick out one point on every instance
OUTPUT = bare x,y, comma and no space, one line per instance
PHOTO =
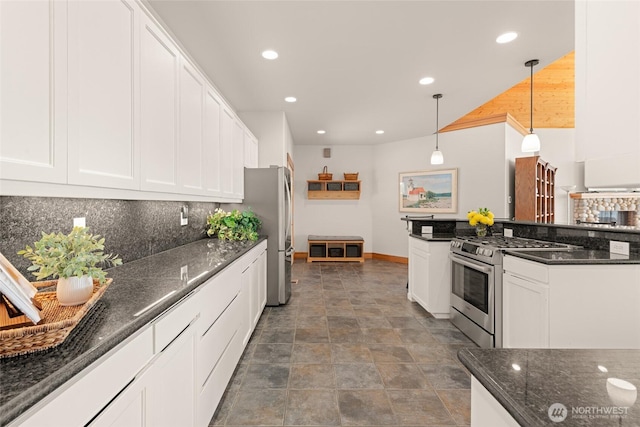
288,219
290,251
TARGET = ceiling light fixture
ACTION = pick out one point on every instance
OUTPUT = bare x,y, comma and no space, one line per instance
507,37
269,54
436,157
426,80
290,99
531,142
322,132
379,132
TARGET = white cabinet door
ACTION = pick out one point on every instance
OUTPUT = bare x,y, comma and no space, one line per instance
525,313
212,150
190,145
227,123
33,93
104,93
171,393
159,68
250,151
418,271
238,160
262,284
248,299
128,409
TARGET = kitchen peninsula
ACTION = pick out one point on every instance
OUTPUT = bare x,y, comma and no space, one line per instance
187,310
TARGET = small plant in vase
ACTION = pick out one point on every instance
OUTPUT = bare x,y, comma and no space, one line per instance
480,219
76,259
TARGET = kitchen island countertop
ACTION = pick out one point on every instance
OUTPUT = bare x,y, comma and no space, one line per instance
576,256
141,290
526,382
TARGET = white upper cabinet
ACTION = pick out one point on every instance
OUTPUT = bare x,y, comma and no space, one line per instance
190,175
250,150
227,124
33,91
103,93
211,159
159,68
238,159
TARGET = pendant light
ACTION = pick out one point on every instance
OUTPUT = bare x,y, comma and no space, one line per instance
436,157
531,142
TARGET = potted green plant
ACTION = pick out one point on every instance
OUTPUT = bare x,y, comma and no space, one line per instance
234,225
76,259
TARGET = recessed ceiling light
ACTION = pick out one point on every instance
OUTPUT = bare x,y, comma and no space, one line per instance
290,99
426,80
269,54
379,132
322,132
507,37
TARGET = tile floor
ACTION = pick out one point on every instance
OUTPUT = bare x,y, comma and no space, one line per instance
349,350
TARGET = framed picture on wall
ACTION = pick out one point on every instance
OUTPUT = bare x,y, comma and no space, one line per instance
429,192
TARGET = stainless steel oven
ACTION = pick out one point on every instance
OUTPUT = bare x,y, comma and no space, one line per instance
473,298
476,283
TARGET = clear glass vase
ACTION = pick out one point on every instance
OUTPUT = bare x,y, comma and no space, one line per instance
481,230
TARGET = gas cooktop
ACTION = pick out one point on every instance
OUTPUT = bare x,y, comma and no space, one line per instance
501,242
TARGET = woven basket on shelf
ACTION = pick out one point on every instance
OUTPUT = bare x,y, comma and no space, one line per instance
324,176
56,324
351,176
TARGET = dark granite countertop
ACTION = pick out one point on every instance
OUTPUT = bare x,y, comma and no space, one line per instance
136,285
574,378
576,256
435,237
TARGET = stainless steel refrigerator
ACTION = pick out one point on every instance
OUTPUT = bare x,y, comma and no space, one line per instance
267,191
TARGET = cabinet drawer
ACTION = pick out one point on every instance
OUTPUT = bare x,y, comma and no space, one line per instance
217,294
216,340
176,320
96,385
527,269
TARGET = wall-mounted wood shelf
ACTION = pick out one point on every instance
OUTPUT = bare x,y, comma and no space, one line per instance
333,190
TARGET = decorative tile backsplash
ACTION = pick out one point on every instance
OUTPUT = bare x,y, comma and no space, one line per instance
131,228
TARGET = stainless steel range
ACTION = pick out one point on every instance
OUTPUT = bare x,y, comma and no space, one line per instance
476,283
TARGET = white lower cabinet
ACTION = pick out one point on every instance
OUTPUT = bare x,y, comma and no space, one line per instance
486,410
570,306
175,371
430,276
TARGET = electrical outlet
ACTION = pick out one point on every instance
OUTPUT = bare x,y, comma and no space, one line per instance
508,232
427,229
620,248
184,273
79,222
184,215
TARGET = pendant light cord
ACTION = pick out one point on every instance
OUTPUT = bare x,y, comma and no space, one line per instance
437,115
531,100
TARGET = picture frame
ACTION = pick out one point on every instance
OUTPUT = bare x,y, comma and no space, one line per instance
429,192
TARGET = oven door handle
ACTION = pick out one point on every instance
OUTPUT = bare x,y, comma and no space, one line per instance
470,264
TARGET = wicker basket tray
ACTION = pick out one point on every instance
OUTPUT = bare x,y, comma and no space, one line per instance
351,176
325,176
56,324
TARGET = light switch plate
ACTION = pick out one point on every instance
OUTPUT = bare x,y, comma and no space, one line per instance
79,222
508,232
184,215
621,248
427,229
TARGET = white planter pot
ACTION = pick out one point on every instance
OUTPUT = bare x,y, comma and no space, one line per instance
74,290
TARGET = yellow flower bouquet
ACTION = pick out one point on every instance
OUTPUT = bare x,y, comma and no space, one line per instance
481,219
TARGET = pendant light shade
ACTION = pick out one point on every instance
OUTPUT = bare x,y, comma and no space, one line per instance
531,142
436,157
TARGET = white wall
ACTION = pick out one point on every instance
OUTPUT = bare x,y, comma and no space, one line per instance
478,154
484,157
333,217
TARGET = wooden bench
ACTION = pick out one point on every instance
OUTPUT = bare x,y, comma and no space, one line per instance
335,248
